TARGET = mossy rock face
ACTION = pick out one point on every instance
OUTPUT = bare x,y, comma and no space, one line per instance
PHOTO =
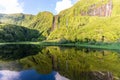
91,28
73,26
43,22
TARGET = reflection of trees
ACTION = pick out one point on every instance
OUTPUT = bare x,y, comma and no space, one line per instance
15,52
74,63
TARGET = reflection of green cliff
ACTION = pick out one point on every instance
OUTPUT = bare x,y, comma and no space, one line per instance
73,63
40,62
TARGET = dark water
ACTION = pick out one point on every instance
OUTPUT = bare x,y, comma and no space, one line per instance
32,62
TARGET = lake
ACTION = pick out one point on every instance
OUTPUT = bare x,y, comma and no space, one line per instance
34,62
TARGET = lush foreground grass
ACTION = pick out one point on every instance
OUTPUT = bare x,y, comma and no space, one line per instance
109,46
97,45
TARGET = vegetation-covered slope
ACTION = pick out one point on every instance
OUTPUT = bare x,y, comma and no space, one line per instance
87,20
10,33
116,8
17,19
91,28
36,26
73,25
43,22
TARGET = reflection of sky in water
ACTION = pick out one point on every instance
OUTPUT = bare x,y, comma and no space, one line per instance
29,75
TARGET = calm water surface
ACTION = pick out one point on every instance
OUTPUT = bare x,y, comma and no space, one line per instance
32,62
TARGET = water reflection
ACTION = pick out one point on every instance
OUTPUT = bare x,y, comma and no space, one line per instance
29,75
72,63
14,52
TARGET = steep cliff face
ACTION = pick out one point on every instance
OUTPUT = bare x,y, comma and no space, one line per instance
55,22
102,10
43,22
88,20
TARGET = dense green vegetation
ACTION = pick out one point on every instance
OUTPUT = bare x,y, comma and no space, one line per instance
17,19
13,33
116,9
91,29
43,22
70,25
68,28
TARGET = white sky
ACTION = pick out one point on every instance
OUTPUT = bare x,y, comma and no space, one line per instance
10,6
64,4
13,6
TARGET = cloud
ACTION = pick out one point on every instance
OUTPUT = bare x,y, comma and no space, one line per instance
10,6
9,75
59,77
64,4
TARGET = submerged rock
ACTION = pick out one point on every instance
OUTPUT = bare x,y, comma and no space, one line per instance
98,75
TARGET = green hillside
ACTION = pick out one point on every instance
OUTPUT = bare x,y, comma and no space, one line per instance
73,26
13,33
17,19
78,23
116,9
43,22
92,28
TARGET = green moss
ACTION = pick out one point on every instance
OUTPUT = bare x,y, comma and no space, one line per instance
116,9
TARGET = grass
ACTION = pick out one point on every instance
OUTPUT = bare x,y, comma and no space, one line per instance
5,43
109,46
97,45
